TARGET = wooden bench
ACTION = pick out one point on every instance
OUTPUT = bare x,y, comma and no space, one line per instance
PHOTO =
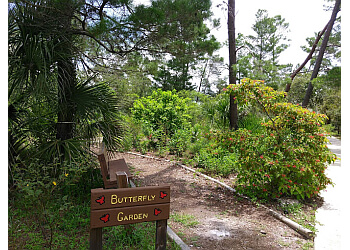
109,169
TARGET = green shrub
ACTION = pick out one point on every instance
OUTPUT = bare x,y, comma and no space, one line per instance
251,122
214,156
179,141
289,157
216,163
163,111
45,196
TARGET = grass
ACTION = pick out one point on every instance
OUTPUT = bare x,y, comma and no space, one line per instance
187,220
68,227
142,237
308,246
283,243
299,213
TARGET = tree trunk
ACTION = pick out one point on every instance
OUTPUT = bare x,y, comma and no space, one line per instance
66,84
232,62
66,74
320,34
320,54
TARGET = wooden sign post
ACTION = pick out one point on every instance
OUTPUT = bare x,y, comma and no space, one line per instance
123,206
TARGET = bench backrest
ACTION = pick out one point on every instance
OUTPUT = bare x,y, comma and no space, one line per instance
103,159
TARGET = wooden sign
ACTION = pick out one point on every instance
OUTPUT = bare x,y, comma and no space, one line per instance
113,207
129,215
129,197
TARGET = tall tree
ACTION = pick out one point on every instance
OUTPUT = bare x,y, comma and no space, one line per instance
311,52
321,52
232,61
209,73
189,43
266,46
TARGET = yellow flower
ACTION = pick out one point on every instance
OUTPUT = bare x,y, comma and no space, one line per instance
66,175
54,183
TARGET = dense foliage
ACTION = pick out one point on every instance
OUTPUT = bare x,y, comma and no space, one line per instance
290,156
86,71
162,111
326,98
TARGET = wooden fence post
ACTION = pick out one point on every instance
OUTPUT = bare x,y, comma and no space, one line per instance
161,228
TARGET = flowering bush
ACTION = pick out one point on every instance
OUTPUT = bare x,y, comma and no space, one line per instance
289,156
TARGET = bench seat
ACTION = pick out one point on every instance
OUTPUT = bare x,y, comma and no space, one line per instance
110,168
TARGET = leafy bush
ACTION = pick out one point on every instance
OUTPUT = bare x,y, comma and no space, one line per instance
251,122
289,157
37,191
214,156
163,111
216,163
179,141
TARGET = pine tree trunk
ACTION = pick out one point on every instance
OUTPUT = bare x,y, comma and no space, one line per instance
232,62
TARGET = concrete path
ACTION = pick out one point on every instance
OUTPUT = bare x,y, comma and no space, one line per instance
330,230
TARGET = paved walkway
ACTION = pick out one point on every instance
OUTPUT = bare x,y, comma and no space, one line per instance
330,235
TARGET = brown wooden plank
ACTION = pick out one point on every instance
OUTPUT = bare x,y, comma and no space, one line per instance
118,166
128,215
111,184
104,169
127,197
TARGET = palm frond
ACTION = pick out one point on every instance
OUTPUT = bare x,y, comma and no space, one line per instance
97,112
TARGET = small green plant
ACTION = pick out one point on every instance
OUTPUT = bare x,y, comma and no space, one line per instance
119,238
291,208
283,243
214,157
308,246
185,219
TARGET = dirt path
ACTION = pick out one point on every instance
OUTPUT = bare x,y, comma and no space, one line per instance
224,221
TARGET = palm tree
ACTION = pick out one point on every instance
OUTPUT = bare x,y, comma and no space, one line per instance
53,114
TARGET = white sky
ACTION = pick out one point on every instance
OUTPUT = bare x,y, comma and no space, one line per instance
304,17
